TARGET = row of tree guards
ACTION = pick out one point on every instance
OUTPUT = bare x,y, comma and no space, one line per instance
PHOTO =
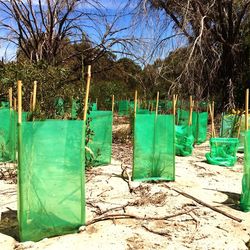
51,158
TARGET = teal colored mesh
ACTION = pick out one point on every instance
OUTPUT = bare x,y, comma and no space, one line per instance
143,111
245,194
123,108
4,104
101,140
75,108
242,134
223,151
51,178
154,153
93,106
59,106
184,140
8,135
182,117
199,124
229,126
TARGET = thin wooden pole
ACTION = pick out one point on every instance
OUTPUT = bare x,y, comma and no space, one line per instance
34,96
157,103
87,93
113,103
246,109
19,97
190,110
212,120
10,97
14,103
175,97
96,101
135,103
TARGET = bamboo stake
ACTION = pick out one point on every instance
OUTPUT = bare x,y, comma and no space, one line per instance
113,103
190,110
34,96
19,97
10,97
246,109
135,103
87,93
212,120
14,103
157,103
96,101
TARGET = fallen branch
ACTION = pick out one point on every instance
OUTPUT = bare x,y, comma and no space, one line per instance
205,204
133,216
127,178
156,232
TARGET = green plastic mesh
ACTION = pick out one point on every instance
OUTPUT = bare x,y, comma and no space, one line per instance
75,107
154,152
4,104
245,194
123,108
229,126
182,117
242,134
143,111
59,106
184,140
223,151
101,141
8,135
51,180
199,124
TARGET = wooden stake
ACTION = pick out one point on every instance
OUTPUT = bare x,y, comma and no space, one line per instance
14,103
135,103
19,97
157,103
87,93
113,103
96,101
190,110
246,109
10,97
34,96
212,120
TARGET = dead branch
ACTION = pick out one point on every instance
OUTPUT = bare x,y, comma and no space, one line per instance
205,204
133,216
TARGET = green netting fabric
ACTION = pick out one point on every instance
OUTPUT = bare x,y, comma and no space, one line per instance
75,108
93,106
182,117
154,152
229,125
223,151
199,124
51,197
242,134
142,111
101,140
184,140
4,104
123,108
245,194
8,135
59,106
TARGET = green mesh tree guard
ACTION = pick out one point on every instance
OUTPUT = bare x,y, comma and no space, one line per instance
245,194
154,152
51,178
59,106
8,135
4,104
184,140
199,124
123,108
143,111
229,126
75,108
182,117
223,151
242,134
101,141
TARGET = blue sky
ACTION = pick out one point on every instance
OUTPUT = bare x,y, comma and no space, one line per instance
146,28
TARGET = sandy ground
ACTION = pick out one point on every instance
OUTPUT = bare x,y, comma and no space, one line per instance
187,224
